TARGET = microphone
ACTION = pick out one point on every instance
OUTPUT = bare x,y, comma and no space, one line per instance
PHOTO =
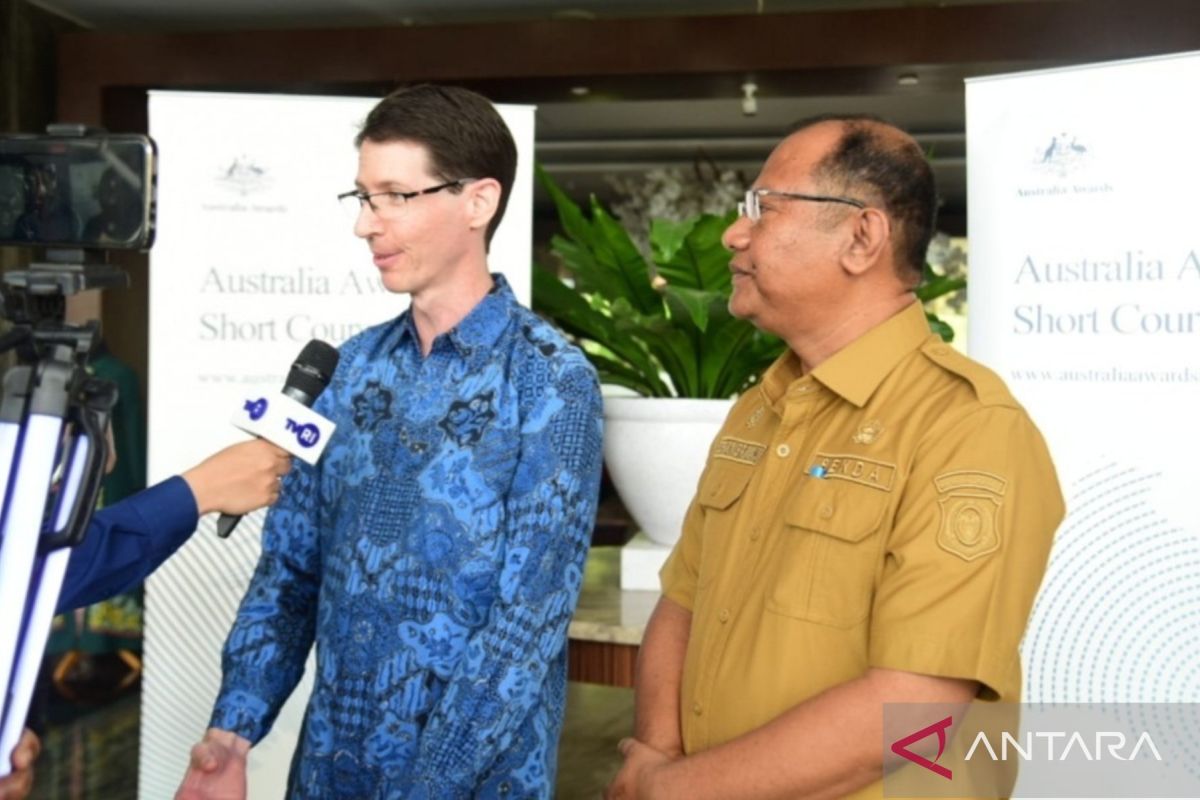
308,377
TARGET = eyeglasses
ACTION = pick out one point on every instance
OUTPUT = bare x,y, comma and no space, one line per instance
390,205
751,205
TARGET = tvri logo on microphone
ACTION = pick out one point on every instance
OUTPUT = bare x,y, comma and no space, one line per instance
1098,750
307,434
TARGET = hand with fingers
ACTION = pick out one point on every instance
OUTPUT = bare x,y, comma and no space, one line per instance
19,783
218,768
631,782
239,478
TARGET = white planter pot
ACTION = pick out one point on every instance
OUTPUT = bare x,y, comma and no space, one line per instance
655,448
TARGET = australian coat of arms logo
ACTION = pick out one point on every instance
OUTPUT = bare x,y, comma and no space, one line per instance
244,176
1061,154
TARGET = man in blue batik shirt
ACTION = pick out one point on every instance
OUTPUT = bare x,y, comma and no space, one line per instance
435,554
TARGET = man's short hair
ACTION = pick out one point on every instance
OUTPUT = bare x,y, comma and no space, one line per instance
462,131
892,167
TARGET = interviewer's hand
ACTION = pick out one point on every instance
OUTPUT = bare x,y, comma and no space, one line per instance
240,478
218,768
19,782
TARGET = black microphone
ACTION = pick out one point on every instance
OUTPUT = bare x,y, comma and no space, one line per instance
308,377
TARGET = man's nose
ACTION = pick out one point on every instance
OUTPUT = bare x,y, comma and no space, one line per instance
367,223
737,235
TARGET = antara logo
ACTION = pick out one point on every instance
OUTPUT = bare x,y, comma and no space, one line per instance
900,747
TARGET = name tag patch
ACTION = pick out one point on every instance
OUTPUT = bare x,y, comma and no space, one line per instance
739,450
868,472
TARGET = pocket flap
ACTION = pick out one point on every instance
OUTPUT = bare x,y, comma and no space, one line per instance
723,484
836,508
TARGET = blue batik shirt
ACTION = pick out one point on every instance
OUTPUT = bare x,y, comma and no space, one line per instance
435,555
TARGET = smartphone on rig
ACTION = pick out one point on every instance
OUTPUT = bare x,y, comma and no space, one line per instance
90,191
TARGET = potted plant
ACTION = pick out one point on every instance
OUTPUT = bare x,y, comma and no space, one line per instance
663,332
661,337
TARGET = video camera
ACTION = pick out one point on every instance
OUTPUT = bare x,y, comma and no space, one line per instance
76,193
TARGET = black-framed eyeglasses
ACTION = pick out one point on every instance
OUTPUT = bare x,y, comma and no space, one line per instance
389,205
751,205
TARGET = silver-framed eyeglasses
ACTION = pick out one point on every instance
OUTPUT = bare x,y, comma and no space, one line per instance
390,205
751,205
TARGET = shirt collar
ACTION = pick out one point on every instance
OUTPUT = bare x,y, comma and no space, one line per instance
855,371
778,378
481,327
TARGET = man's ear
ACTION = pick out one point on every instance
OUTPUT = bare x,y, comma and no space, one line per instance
483,198
870,242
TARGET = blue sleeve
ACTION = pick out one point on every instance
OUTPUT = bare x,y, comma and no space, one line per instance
264,655
127,541
550,513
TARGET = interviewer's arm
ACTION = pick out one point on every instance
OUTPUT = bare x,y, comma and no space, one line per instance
128,540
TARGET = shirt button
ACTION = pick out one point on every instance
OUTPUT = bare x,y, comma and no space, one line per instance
826,512
697,709
724,615
754,534
783,450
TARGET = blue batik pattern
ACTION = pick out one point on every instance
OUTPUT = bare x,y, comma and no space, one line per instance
435,556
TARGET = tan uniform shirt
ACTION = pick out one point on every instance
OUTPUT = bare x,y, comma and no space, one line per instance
892,509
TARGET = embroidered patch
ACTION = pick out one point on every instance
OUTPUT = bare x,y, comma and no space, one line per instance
969,525
970,509
967,479
868,432
876,474
756,417
738,450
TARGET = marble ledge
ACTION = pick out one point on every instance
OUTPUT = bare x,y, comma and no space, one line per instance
606,613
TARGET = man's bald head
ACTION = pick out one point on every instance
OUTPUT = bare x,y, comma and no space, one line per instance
884,166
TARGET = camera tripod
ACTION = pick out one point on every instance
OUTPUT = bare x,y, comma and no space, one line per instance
53,449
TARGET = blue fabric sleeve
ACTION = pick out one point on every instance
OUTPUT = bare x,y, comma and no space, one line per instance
264,655
127,541
550,512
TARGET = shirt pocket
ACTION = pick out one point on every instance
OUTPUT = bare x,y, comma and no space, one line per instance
825,563
719,496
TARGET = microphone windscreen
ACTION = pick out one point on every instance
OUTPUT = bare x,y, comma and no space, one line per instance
312,369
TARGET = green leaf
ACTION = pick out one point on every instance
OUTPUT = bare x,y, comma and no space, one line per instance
739,352
572,312
695,302
701,262
570,216
669,345
666,237
620,374
940,328
627,274
939,285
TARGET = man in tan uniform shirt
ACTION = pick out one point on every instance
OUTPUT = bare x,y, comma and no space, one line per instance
874,518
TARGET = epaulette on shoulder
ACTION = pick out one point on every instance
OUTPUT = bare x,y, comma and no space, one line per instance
988,386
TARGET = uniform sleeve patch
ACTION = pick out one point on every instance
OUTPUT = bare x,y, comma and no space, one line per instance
973,479
970,503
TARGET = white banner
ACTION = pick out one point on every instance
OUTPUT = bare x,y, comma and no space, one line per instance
1085,297
254,258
